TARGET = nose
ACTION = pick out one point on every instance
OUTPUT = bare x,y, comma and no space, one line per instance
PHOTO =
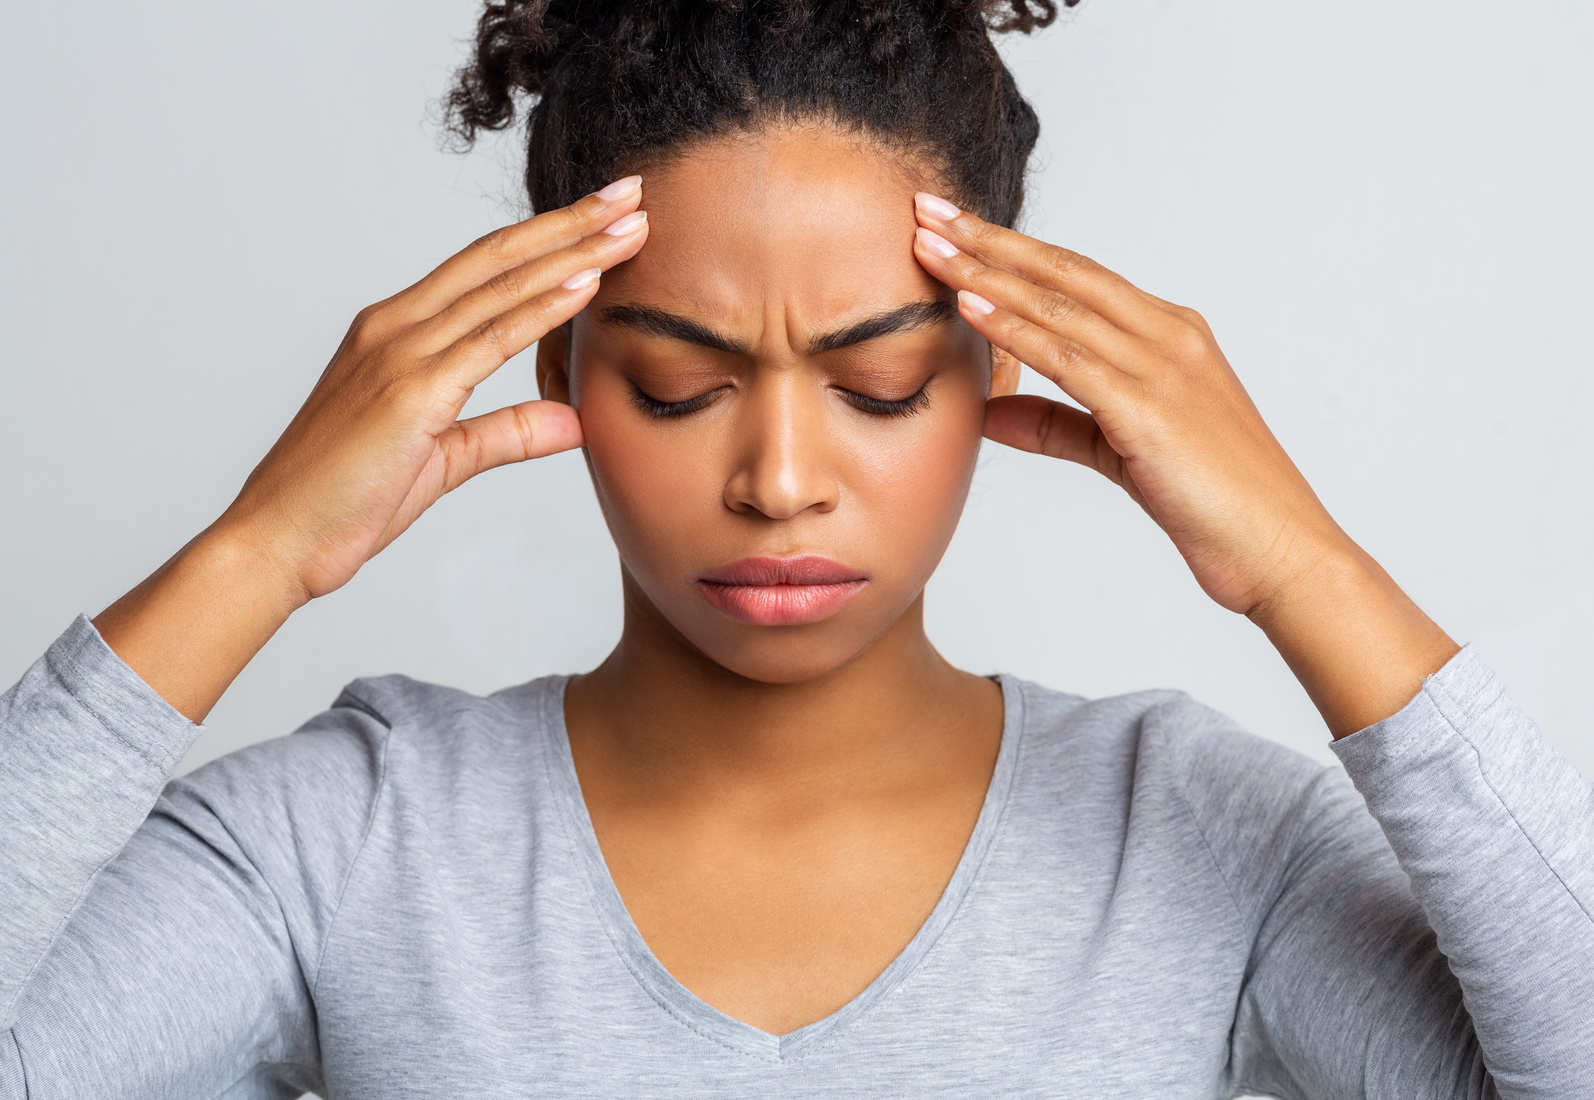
784,465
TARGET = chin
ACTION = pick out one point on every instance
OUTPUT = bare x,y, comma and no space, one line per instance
784,655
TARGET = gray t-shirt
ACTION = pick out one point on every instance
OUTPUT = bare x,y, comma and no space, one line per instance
405,899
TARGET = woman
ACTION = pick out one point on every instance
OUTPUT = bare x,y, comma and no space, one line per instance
775,844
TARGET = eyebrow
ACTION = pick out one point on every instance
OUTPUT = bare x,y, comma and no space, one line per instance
663,323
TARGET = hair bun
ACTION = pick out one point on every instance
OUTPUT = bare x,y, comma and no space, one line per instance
609,84
521,43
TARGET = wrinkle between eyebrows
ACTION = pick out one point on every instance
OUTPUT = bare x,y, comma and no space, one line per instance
661,322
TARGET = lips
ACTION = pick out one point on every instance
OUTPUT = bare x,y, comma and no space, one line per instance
781,591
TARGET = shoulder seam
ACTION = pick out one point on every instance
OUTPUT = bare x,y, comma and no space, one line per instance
1206,842
348,876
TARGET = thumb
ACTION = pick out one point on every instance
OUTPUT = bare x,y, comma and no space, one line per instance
1042,426
514,433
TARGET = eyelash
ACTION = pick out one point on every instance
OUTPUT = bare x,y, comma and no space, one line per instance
903,406
874,406
660,410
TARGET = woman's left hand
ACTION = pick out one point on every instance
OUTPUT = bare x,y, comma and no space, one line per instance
1167,419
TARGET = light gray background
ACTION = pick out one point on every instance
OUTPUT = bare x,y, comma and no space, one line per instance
1383,209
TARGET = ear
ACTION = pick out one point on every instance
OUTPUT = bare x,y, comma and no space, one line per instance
1004,373
553,365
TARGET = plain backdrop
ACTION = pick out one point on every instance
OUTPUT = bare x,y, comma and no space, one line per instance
1382,209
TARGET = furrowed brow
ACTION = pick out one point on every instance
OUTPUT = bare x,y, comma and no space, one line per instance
911,316
662,323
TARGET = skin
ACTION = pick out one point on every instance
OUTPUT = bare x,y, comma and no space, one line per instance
780,806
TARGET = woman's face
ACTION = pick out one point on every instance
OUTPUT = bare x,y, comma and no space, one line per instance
782,410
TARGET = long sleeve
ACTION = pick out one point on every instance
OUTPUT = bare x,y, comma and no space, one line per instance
1441,948
1495,830
165,944
85,747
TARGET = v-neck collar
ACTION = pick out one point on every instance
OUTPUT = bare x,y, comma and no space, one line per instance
682,1003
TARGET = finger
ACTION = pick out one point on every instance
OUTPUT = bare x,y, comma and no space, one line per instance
1044,427
1051,428
466,448
477,353
510,288
515,433
1079,277
513,245
1049,309
1069,365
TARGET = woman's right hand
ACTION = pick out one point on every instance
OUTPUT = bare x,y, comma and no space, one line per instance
379,439
377,442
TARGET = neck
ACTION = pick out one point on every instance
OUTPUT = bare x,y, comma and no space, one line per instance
663,721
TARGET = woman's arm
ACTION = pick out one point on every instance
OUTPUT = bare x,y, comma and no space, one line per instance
170,951
95,728
1169,422
377,442
1494,828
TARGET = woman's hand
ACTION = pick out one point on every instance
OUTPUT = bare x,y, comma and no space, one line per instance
379,439
377,443
1168,420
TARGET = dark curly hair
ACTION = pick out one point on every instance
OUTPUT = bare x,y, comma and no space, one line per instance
621,84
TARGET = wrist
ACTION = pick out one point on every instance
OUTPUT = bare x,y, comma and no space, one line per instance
192,625
1359,645
247,562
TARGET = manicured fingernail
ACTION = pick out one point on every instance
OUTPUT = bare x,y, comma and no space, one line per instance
582,279
628,224
621,188
975,303
936,243
937,208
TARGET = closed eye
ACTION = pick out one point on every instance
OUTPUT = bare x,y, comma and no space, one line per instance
879,406
661,409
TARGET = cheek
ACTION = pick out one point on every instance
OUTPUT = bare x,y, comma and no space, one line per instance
654,484
912,487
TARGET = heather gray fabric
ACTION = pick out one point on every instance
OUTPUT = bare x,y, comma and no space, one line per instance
405,899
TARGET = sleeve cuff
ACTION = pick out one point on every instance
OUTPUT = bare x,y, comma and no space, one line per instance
128,708
1455,698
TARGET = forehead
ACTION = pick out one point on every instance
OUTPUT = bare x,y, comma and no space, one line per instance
778,235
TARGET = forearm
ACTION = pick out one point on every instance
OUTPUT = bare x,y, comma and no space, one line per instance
1495,832
192,626
1356,642
85,748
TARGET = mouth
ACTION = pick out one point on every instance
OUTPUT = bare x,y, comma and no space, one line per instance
781,591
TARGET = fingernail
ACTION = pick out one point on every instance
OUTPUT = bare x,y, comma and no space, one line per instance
975,303
621,188
628,224
937,208
936,243
582,279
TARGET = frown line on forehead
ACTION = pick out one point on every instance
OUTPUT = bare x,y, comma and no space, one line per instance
660,322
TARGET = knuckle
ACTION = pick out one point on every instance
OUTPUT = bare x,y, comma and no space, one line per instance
508,285
976,230
1056,309
1066,353
1061,263
494,245
975,273
367,329
569,223
492,335
1047,428
1190,344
